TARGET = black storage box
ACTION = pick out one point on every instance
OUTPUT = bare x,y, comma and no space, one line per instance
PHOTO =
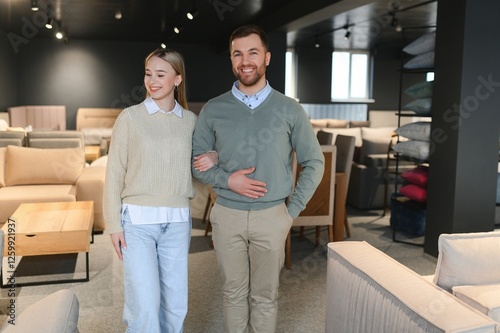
407,216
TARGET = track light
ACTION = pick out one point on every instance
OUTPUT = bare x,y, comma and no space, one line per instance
178,29
316,43
118,14
50,23
347,35
34,5
192,13
163,45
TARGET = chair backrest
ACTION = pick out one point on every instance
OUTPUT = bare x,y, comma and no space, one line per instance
345,154
319,210
55,139
12,138
324,138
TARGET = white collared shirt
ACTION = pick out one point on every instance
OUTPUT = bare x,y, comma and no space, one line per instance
251,101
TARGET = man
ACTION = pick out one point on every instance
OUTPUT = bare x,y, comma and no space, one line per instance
254,129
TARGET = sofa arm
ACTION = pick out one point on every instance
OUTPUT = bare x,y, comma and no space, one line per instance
57,312
90,187
385,296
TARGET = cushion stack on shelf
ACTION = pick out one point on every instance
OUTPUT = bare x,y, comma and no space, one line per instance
416,184
422,50
418,144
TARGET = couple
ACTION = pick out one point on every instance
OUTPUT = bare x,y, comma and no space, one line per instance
254,130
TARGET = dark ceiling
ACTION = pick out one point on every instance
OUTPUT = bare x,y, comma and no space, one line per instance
371,22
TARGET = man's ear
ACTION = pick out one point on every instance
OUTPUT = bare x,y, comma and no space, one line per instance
268,58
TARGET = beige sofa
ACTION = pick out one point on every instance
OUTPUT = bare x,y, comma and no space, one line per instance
367,291
47,175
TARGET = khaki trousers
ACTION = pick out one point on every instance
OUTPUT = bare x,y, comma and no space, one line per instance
250,253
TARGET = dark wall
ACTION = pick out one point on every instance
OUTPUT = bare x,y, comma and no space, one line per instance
110,73
314,74
8,77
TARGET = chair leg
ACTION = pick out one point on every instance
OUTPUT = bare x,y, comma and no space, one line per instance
301,233
207,209
208,228
347,229
318,234
288,245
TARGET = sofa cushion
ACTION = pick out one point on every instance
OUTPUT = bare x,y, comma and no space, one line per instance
375,141
31,166
12,196
337,123
468,259
359,123
319,123
485,298
57,312
3,153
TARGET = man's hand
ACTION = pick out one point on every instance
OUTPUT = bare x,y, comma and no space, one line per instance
239,183
118,240
205,161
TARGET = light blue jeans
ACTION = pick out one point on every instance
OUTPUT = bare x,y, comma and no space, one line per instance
155,276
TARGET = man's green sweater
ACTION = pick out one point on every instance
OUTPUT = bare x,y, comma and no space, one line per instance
263,137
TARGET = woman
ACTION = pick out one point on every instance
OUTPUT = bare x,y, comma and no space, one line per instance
146,197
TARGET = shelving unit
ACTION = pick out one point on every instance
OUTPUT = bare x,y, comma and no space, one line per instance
404,211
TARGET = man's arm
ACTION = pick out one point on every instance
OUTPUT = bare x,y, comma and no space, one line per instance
311,159
238,182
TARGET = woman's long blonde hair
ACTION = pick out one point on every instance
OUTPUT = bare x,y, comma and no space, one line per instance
176,60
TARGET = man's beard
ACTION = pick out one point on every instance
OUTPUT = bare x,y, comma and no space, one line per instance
248,81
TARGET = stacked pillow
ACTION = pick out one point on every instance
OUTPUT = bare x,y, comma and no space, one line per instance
422,50
415,187
418,145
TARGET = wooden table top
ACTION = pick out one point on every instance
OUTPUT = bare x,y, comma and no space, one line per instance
53,217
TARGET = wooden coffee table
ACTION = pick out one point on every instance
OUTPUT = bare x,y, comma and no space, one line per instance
47,228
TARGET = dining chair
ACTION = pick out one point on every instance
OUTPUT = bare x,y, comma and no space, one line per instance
345,152
324,138
319,210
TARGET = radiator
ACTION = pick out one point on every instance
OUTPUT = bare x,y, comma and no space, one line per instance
337,111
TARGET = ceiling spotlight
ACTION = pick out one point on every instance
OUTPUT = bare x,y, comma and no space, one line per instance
316,43
50,23
347,35
192,13
163,45
178,29
118,14
59,35
34,5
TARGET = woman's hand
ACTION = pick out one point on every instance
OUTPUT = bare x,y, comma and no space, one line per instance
118,240
206,161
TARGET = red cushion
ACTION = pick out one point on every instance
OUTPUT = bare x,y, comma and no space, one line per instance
417,176
414,192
